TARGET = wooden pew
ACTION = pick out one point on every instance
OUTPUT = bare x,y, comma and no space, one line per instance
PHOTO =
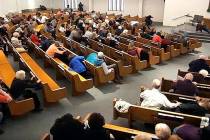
51,90
7,74
153,116
197,77
156,49
123,70
153,59
119,55
166,85
100,77
79,83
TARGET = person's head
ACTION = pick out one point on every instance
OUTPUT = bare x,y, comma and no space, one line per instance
70,56
38,14
142,137
203,72
96,121
67,6
94,36
158,33
16,34
57,44
109,35
67,127
100,55
20,75
204,57
189,76
120,27
156,83
162,131
125,32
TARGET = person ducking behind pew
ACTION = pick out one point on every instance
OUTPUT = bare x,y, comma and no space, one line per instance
77,64
56,50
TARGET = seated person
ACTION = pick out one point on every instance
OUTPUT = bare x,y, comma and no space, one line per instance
20,88
202,27
45,43
155,99
95,130
35,39
199,108
113,42
186,86
15,40
56,50
62,28
162,131
77,64
199,64
99,60
119,30
67,128
190,132
136,51
157,38
50,29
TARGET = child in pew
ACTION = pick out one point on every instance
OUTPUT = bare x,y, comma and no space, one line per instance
77,64
21,88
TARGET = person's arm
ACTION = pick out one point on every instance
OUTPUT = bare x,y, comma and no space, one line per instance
167,103
4,97
105,68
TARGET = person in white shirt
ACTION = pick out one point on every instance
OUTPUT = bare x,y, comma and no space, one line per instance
15,41
88,33
155,99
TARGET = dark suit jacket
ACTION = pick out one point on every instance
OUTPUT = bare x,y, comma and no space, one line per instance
185,87
197,65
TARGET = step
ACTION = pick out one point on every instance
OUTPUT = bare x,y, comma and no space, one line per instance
196,33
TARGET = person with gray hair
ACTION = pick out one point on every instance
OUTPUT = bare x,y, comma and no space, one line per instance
155,99
162,131
199,64
20,88
185,86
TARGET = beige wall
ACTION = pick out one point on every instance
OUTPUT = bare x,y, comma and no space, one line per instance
177,8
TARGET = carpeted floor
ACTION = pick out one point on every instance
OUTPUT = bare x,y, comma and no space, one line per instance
33,125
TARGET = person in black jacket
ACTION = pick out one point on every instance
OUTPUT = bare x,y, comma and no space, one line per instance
20,89
95,130
68,128
199,64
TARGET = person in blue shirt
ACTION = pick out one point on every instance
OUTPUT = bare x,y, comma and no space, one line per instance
76,63
97,59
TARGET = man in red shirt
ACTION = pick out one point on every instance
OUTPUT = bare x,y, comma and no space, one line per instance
34,38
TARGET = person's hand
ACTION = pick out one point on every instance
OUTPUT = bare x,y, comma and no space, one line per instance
9,99
38,81
32,78
178,103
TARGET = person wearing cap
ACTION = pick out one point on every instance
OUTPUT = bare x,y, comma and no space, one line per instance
199,64
155,99
99,60
185,86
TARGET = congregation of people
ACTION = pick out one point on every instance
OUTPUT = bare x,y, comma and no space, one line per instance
99,27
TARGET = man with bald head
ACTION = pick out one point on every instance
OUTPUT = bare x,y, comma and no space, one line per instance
199,64
155,99
186,86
